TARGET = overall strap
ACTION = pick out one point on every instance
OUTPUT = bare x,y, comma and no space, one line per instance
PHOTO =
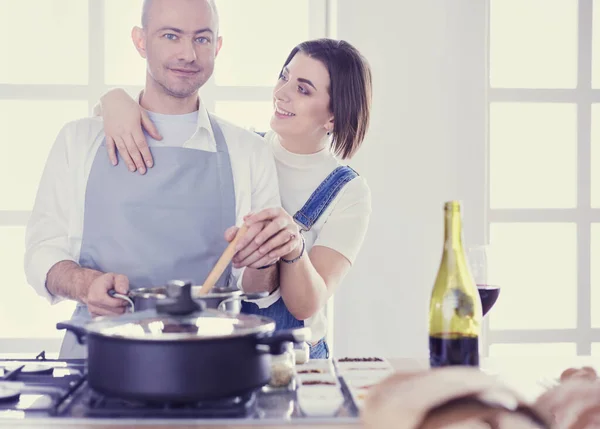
323,196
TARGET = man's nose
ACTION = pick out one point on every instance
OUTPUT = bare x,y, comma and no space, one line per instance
187,52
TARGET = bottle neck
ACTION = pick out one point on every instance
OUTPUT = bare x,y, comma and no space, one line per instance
453,230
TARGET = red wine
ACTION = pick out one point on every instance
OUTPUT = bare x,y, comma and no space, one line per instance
489,295
445,351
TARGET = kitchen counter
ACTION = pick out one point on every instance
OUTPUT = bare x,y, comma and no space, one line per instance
523,374
167,425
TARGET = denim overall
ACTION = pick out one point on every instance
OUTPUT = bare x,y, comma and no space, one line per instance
167,224
306,218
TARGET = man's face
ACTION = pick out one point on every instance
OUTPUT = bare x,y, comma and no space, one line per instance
180,44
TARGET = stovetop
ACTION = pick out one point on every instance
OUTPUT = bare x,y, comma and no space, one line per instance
57,389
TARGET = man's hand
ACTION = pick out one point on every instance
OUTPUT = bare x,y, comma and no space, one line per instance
272,234
254,281
99,302
246,244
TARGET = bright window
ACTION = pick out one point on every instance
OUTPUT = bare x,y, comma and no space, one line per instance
544,196
72,52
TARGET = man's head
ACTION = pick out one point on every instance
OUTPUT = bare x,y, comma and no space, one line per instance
179,40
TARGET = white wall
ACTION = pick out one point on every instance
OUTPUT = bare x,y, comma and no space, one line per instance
426,145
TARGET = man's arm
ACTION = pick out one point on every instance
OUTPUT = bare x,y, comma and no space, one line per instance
265,193
67,279
47,233
267,279
49,263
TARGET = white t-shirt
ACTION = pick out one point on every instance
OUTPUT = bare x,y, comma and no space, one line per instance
55,228
341,227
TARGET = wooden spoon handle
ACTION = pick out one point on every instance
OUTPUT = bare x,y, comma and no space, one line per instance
222,263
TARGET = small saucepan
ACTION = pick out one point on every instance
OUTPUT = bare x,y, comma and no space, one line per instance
181,352
220,298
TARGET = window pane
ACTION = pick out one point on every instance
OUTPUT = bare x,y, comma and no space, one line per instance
536,267
533,43
533,155
541,349
29,128
595,274
23,313
123,64
46,41
256,41
595,155
595,349
248,114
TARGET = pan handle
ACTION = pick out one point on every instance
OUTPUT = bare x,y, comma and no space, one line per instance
278,340
78,329
256,295
117,295
248,296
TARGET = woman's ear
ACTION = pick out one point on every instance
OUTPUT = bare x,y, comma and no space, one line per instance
329,125
139,40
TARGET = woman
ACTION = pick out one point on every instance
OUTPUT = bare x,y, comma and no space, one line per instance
321,110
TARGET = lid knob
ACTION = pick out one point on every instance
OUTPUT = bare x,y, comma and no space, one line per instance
179,300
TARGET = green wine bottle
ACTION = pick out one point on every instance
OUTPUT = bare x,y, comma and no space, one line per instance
455,307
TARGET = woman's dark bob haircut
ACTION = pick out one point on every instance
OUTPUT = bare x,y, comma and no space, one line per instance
350,91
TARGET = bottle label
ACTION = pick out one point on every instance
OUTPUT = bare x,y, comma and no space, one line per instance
458,303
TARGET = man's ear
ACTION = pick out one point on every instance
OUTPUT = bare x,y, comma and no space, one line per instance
139,40
219,45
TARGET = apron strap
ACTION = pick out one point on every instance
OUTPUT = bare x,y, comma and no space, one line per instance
322,197
226,184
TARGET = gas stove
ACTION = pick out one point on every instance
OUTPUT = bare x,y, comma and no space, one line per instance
41,388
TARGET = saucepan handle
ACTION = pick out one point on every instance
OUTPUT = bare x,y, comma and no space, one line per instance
256,295
248,296
76,328
117,295
278,340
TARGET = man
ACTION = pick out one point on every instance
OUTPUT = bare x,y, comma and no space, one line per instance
97,227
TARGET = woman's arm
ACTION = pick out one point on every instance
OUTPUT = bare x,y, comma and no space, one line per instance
307,283
123,122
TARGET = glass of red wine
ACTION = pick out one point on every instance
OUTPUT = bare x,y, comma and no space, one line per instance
488,292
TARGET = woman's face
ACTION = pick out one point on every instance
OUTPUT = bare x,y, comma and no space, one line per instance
301,99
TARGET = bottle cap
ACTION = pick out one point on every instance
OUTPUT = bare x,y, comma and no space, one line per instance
452,206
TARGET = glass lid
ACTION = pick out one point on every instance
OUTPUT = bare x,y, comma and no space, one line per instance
180,317
205,324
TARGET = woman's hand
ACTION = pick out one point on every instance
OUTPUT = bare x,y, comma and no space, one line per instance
272,234
123,121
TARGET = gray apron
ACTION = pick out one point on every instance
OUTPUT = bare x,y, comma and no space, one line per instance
167,224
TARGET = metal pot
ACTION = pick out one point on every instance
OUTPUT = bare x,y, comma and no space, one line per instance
180,351
220,298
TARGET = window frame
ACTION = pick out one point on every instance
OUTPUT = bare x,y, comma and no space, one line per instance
319,10
583,96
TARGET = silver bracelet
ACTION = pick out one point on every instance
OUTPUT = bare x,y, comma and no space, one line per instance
291,261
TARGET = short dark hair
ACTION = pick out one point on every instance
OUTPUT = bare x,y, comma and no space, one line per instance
148,3
145,10
350,90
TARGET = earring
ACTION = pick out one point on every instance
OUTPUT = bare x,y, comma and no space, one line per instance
328,133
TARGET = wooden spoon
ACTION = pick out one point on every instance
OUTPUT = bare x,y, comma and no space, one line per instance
222,263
